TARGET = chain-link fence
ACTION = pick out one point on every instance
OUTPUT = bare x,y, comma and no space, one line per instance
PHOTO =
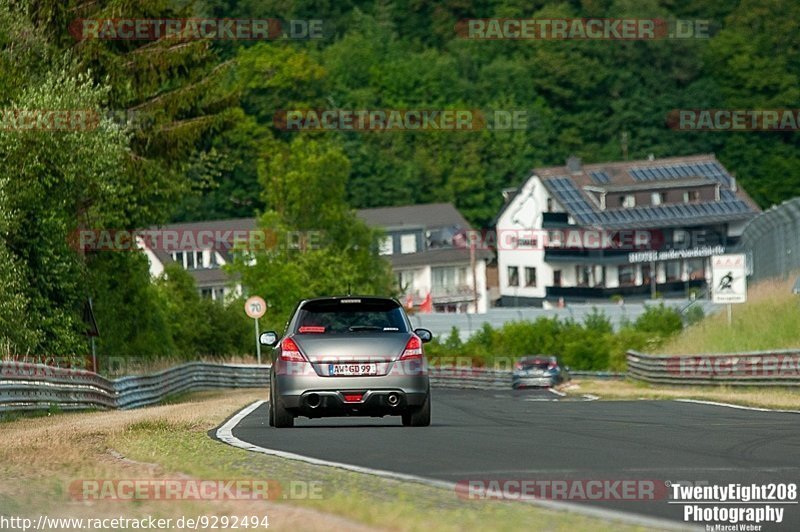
771,241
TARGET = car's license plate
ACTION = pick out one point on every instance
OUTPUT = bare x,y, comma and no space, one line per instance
346,370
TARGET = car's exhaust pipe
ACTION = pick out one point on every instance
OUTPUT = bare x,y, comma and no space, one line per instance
393,399
312,400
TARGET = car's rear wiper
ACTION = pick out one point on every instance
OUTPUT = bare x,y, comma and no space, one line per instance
365,328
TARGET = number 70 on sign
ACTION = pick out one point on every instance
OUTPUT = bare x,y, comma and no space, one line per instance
255,307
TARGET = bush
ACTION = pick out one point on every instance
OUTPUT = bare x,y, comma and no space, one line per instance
660,320
590,352
598,322
201,327
590,345
694,314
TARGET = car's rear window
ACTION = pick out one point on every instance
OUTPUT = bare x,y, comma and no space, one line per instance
538,364
350,316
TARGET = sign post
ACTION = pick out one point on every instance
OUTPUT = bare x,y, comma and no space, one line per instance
729,280
255,307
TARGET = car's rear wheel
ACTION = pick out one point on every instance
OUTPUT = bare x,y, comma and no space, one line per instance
280,418
421,417
271,413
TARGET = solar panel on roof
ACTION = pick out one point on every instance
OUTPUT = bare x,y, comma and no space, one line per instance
600,176
564,189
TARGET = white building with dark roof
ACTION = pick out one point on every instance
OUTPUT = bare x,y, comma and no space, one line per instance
426,247
200,248
632,228
422,244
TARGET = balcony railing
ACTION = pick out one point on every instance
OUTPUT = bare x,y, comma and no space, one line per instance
450,291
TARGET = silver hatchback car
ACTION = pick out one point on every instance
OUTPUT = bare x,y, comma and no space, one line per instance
349,356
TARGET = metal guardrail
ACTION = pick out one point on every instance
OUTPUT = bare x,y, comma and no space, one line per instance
494,379
26,386
137,391
37,387
758,368
470,378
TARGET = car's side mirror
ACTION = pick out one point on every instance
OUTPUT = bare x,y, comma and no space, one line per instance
269,338
424,334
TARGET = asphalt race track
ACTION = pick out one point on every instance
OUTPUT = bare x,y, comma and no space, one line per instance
479,435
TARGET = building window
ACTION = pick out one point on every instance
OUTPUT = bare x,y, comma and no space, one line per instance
194,260
582,274
691,196
449,281
601,281
386,245
696,269
206,293
219,294
626,275
530,276
628,201
556,277
549,205
448,278
408,243
178,257
646,274
657,198
673,270
513,276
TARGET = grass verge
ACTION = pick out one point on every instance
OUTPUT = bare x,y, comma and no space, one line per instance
762,397
41,457
769,320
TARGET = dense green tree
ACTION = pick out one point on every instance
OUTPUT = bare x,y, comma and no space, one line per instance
321,248
595,99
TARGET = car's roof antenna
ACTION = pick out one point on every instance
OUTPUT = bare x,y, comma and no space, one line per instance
349,289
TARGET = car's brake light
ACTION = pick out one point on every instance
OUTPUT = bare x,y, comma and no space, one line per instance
353,397
413,349
290,352
311,329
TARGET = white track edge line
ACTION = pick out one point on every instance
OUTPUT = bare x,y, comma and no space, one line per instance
225,434
739,407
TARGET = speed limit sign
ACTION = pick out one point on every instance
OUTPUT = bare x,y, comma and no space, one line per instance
255,307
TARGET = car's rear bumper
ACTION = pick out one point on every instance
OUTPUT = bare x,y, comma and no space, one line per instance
316,396
326,403
545,381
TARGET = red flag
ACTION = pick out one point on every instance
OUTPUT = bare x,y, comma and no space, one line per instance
427,304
